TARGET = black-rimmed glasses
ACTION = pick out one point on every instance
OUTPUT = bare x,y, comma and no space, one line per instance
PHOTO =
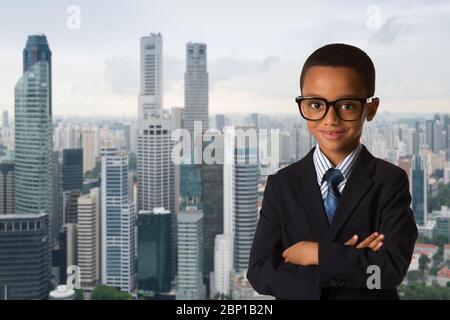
316,108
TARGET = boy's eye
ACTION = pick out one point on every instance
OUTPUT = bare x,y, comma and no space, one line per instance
347,106
352,106
316,104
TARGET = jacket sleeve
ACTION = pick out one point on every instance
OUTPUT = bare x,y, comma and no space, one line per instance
267,272
339,263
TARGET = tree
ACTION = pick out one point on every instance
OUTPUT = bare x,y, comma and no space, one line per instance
94,173
442,197
419,291
423,263
79,294
414,276
109,293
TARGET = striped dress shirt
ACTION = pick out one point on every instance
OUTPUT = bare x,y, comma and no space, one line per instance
322,164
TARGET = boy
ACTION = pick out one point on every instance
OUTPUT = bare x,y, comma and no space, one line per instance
338,222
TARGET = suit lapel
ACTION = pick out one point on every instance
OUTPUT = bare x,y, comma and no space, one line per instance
356,187
310,192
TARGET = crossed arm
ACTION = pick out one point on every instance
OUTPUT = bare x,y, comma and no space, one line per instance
306,253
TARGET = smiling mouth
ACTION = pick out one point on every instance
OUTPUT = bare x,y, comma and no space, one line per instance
332,134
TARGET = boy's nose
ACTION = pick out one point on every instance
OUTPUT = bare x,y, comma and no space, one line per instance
331,116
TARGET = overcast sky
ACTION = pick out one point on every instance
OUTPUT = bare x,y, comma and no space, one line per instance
255,50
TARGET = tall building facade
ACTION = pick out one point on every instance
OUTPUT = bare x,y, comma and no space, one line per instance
37,50
246,176
190,255
223,265
155,169
118,222
89,143
154,248
33,129
88,237
419,190
212,205
6,188
224,243
24,258
196,86
33,146
156,172
72,169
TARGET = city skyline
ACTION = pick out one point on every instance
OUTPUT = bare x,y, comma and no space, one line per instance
253,67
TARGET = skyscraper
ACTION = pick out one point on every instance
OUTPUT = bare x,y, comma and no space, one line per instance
190,185
71,183
154,247
118,222
156,172
89,141
196,87
36,50
419,190
33,141
223,265
429,134
416,139
72,170
212,205
33,181
224,243
190,255
151,93
155,169
88,238
57,219
6,188
246,176
24,256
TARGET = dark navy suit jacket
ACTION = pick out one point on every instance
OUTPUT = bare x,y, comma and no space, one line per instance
376,198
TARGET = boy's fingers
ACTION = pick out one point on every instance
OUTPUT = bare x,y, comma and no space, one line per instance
378,246
375,242
367,240
352,241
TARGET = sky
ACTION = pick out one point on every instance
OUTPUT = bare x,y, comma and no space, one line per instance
256,50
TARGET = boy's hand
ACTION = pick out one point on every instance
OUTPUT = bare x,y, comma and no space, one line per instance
374,241
304,253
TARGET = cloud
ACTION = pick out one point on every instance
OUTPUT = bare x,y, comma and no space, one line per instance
269,62
122,75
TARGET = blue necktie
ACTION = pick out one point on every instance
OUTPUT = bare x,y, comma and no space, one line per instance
333,178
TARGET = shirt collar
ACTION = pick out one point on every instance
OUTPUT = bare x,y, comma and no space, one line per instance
322,164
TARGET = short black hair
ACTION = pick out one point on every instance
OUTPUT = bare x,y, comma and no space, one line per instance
343,55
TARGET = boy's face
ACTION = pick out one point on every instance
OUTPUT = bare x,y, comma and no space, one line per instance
333,134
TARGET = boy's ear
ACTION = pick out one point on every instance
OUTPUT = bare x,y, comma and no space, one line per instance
372,109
